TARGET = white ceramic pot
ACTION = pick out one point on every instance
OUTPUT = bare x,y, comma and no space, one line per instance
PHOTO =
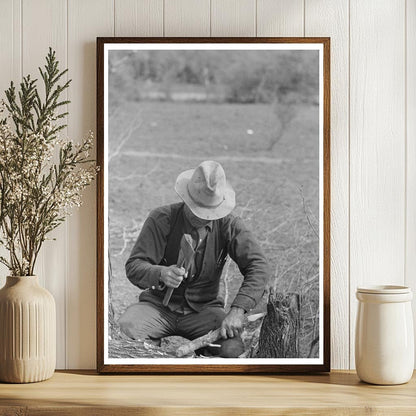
27,331
384,337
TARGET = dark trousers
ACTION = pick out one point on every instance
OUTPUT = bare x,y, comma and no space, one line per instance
146,320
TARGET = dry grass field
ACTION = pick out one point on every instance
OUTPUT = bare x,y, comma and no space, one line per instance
274,174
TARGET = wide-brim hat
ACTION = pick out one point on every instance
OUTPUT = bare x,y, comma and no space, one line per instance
206,191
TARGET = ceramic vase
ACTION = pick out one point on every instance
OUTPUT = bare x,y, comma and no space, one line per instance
384,341
27,331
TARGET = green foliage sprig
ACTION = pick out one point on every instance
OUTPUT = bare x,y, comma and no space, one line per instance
41,175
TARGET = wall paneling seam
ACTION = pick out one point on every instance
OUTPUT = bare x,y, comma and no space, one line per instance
349,185
66,222
304,18
21,40
210,18
405,146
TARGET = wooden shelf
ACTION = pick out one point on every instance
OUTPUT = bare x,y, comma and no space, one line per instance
86,393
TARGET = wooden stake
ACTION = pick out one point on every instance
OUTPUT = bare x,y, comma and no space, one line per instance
198,343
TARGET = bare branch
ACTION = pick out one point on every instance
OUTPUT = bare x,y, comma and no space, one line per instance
125,137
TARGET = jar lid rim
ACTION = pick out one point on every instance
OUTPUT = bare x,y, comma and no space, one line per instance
384,289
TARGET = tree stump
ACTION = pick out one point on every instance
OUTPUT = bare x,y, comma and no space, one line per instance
280,331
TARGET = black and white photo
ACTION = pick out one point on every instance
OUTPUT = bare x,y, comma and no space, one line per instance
213,206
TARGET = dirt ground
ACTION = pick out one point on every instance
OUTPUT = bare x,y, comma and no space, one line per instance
276,184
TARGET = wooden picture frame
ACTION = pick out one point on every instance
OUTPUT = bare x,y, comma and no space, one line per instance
106,79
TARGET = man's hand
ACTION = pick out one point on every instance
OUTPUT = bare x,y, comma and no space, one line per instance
172,276
232,324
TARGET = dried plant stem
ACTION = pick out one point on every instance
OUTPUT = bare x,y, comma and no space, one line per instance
37,194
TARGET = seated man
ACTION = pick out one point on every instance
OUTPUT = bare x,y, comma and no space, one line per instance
194,308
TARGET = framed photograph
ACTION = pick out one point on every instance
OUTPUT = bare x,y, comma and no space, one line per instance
213,249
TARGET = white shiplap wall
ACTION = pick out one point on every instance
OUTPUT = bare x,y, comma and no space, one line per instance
373,132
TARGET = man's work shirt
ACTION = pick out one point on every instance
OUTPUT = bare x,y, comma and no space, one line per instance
158,245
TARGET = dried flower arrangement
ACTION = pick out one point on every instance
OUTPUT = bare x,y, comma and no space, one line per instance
42,176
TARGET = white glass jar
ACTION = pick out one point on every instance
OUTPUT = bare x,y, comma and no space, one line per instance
384,337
